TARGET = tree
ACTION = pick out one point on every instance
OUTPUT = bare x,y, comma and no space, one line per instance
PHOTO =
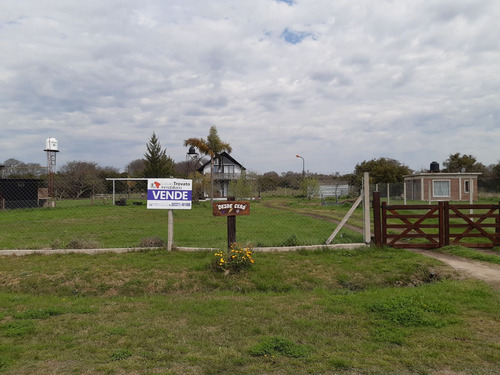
212,147
78,179
243,187
14,168
157,163
135,168
456,163
382,170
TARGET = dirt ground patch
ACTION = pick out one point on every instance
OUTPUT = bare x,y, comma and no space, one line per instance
478,270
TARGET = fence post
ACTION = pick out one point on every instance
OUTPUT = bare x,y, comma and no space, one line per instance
366,208
231,227
384,225
445,227
497,222
377,228
441,229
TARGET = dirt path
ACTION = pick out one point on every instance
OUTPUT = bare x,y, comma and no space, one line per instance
479,270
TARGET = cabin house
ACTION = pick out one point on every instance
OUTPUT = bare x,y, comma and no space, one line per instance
439,186
226,169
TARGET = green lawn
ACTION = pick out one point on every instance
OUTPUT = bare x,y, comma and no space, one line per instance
365,311
104,225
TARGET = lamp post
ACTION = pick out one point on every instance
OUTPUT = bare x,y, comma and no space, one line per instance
303,165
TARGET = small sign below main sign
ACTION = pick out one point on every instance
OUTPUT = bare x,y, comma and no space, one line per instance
231,208
169,193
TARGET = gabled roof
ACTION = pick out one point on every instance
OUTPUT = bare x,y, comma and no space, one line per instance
223,154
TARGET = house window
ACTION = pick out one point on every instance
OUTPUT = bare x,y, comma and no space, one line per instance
467,186
229,169
441,188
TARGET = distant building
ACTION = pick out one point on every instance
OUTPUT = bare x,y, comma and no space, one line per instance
439,186
332,189
226,169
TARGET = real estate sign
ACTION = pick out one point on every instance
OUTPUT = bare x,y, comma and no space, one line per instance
169,193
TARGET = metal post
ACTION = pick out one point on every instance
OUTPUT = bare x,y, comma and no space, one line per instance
366,207
170,230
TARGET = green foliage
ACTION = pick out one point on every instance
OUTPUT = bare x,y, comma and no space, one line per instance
236,259
457,162
382,170
157,163
310,187
243,187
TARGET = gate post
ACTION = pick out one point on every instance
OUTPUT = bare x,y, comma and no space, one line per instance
497,230
441,225
377,226
445,227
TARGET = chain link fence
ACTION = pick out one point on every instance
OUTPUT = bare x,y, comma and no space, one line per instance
79,212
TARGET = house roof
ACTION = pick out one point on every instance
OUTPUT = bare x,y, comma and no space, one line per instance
443,174
223,154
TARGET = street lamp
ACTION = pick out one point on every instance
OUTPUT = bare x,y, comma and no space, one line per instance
303,165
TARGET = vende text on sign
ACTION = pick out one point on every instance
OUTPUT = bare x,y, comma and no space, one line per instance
231,208
169,193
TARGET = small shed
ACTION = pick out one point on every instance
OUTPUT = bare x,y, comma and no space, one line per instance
19,193
439,186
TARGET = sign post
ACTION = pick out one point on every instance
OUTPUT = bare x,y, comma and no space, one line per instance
231,209
169,194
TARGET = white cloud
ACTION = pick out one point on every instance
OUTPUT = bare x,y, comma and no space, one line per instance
410,80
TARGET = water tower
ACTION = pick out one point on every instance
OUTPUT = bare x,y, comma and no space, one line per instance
191,160
51,148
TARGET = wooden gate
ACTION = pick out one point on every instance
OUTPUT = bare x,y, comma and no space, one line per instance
434,226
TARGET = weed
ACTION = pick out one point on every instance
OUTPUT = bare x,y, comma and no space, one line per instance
271,346
152,242
120,355
291,241
18,328
82,243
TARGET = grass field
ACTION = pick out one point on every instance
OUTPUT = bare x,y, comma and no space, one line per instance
364,311
273,222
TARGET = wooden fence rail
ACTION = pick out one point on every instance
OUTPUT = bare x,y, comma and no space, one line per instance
434,226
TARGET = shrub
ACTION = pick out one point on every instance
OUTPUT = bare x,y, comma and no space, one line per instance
237,258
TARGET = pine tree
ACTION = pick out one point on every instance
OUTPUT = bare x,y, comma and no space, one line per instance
158,164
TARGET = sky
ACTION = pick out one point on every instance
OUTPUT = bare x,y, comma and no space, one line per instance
335,81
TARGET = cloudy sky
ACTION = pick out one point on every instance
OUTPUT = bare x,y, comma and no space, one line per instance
336,81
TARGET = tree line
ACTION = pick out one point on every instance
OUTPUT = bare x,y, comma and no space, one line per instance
83,179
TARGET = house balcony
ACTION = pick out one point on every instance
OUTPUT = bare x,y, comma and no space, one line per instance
225,176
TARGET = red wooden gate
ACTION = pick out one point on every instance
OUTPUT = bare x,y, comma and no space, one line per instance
434,226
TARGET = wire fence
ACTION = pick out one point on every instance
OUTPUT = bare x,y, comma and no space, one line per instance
113,214
78,212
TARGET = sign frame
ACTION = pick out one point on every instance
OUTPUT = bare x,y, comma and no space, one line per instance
231,208
169,194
